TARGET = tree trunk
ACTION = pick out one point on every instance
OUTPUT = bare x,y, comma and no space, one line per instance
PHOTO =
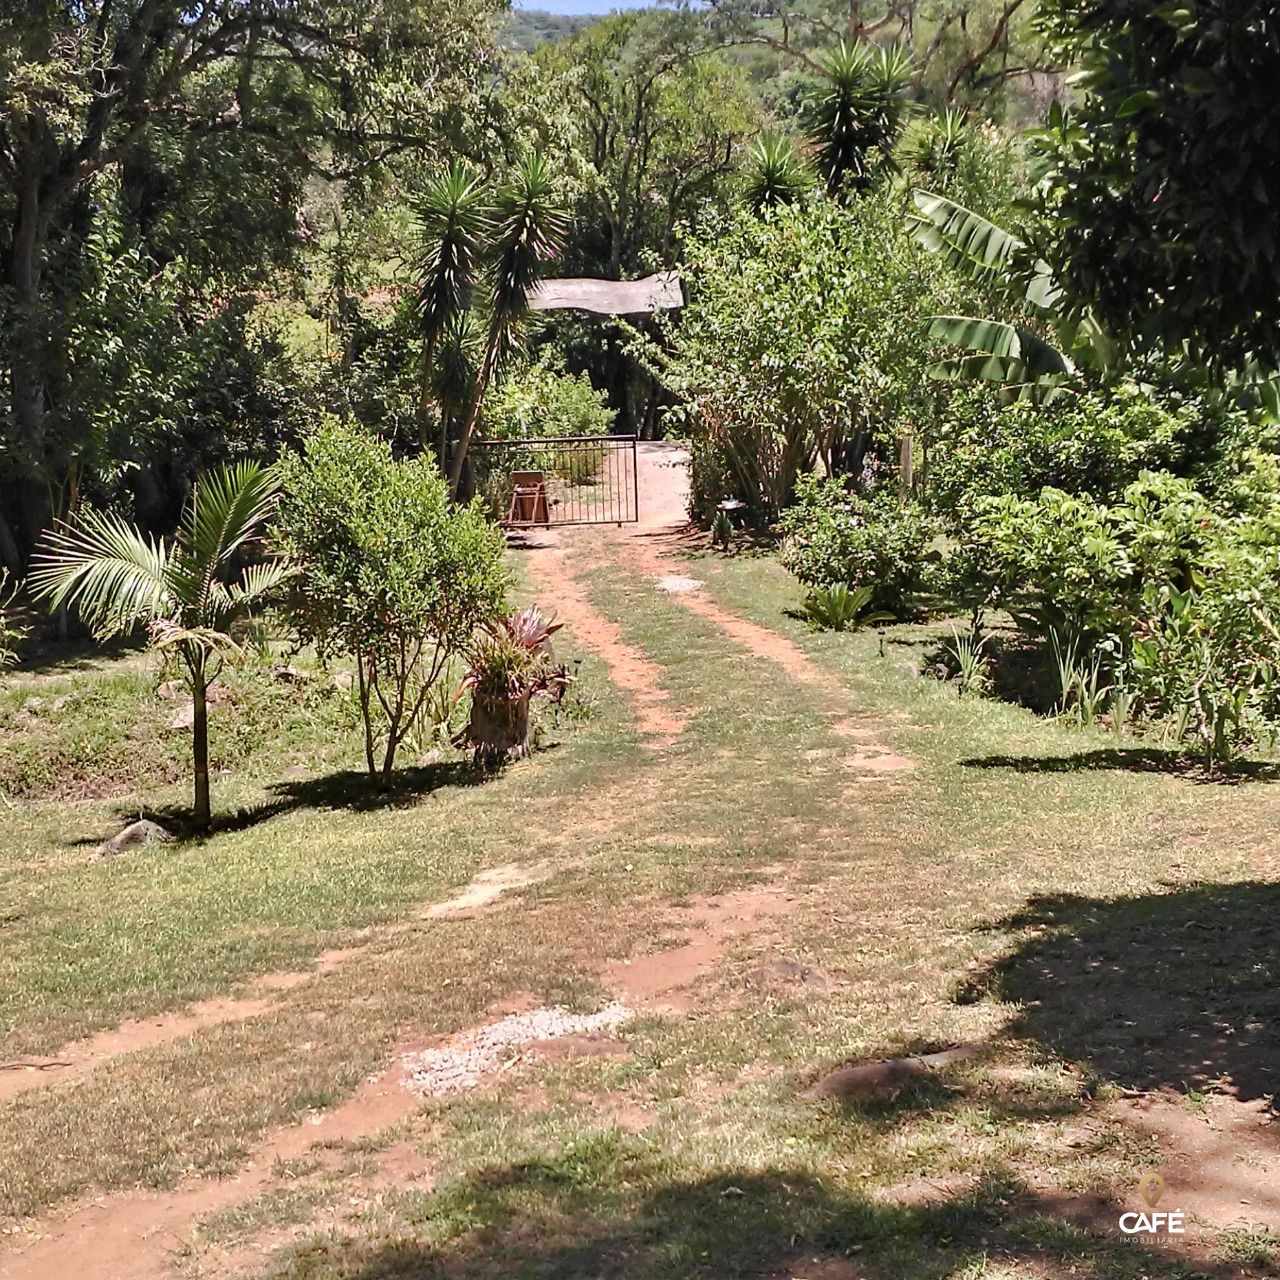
366,712
31,509
473,415
200,743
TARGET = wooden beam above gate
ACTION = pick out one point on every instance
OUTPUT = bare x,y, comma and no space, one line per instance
660,292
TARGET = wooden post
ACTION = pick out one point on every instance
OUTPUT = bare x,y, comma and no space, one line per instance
905,476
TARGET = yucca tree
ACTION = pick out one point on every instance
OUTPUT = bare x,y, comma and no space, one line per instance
473,249
454,227
189,593
777,174
860,110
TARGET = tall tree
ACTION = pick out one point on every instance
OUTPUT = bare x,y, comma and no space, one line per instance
476,250
1164,183
88,92
658,115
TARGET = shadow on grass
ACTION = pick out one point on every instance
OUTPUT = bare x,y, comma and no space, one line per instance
51,657
611,1208
1176,989
346,789
1134,760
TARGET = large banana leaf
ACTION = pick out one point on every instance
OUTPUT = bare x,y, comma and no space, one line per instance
983,251
968,241
1003,341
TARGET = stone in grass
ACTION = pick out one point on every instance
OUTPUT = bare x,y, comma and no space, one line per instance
134,836
782,972
184,718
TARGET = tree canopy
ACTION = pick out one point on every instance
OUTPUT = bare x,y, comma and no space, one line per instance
1163,182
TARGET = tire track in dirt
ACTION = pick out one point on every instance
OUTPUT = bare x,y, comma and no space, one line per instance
130,1235
79,1058
632,670
556,557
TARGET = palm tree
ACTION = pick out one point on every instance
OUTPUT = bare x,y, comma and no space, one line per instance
189,593
859,112
508,245
777,174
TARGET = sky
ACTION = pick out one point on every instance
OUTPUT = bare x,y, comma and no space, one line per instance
582,6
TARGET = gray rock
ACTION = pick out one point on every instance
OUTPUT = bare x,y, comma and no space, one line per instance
184,717
134,836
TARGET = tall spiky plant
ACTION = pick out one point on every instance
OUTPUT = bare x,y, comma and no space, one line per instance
859,112
528,229
189,593
776,174
454,227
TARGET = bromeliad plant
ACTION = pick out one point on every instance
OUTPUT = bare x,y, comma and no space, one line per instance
842,608
194,594
509,662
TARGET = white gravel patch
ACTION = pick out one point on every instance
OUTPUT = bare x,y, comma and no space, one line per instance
473,1055
676,583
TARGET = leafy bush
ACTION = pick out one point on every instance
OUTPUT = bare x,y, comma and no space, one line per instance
1171,598
541,400
877,541
800,346
393,572
535,402
1095,443
12,632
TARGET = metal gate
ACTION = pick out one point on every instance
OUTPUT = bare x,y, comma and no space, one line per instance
559,480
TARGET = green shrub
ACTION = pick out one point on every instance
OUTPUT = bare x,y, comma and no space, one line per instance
1166,595
1096,443
876,541
392,572
12,632
540,401
801,346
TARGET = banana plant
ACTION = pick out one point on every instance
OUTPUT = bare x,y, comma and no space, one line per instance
1025,364
1011,353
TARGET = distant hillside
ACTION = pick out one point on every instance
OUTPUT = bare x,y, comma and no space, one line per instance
525,29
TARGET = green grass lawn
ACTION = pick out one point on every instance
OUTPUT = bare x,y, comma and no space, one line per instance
1024,885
